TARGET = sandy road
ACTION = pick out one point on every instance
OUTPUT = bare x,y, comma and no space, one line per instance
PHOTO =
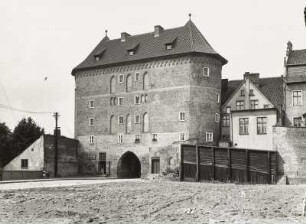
51,183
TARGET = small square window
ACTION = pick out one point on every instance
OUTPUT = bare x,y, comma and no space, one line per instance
137,99
120,101
182,116
137,138
217,117
120,138
182,136
251,92
137,119
205,71
131,52
91,139
24,164
91,104
91,121
97,58
169,46
137,76
209,136
120,119
121,78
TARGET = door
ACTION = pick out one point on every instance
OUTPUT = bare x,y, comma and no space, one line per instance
102,163
155,165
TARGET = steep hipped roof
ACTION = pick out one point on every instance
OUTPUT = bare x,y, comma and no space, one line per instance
272,88
297,57
188,39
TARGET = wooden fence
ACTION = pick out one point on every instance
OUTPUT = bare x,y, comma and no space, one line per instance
206,163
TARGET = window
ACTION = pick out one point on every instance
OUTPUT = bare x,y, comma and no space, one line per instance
91,121
146,98
261,125
97,58
243,126
254,104
143,99
251,92
120,101
297,98
137,119
169,46
120,119
131,52
91,104
182,136
226,120
112,85
155,165
182,116
239,105
242,92
217,117
137,76
91,139
137,99
114,100
120,138
154,139
24,164
145,81
128,124
102,156
129,83
228,110
209,136
121,78
266,106
218,98
145,122
205,71
297,121
137,138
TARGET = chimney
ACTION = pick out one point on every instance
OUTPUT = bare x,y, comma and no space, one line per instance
124,36
157,30
253,77
289,48
224,85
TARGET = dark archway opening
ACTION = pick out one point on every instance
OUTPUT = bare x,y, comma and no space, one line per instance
129,166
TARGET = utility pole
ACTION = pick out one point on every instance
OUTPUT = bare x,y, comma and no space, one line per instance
56,115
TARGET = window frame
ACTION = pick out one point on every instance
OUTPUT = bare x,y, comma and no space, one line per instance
300,121
254,106
208,72
91,104
137,75
262,125
242,104
139,100
91,121
217,117
135,119
120,138
121,78
245,126
209,136
23,162
169,46
242,92
182,116
226,120
120,99
120,117
298,102
182,134
91,139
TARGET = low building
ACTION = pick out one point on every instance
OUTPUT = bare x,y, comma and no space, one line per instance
39,158
251,107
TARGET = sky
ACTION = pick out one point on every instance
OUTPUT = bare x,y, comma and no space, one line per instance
41,41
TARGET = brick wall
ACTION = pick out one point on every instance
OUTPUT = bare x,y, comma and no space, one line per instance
291,146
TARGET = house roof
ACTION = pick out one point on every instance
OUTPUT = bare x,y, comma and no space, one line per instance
188,39
272,88
297,57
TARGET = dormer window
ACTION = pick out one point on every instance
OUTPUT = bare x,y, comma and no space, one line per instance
131,52
97,58
132,49
99,55
169,46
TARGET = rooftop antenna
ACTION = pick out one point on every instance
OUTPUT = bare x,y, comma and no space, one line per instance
189,16
106,33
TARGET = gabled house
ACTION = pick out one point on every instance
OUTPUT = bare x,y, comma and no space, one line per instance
295,79
250,108
39,159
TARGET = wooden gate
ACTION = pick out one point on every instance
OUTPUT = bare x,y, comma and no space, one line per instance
206,163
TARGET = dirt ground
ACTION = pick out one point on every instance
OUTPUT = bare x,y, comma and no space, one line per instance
155,202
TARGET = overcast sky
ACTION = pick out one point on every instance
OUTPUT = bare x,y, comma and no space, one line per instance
48,38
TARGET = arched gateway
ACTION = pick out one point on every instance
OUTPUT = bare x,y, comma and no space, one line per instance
129,166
